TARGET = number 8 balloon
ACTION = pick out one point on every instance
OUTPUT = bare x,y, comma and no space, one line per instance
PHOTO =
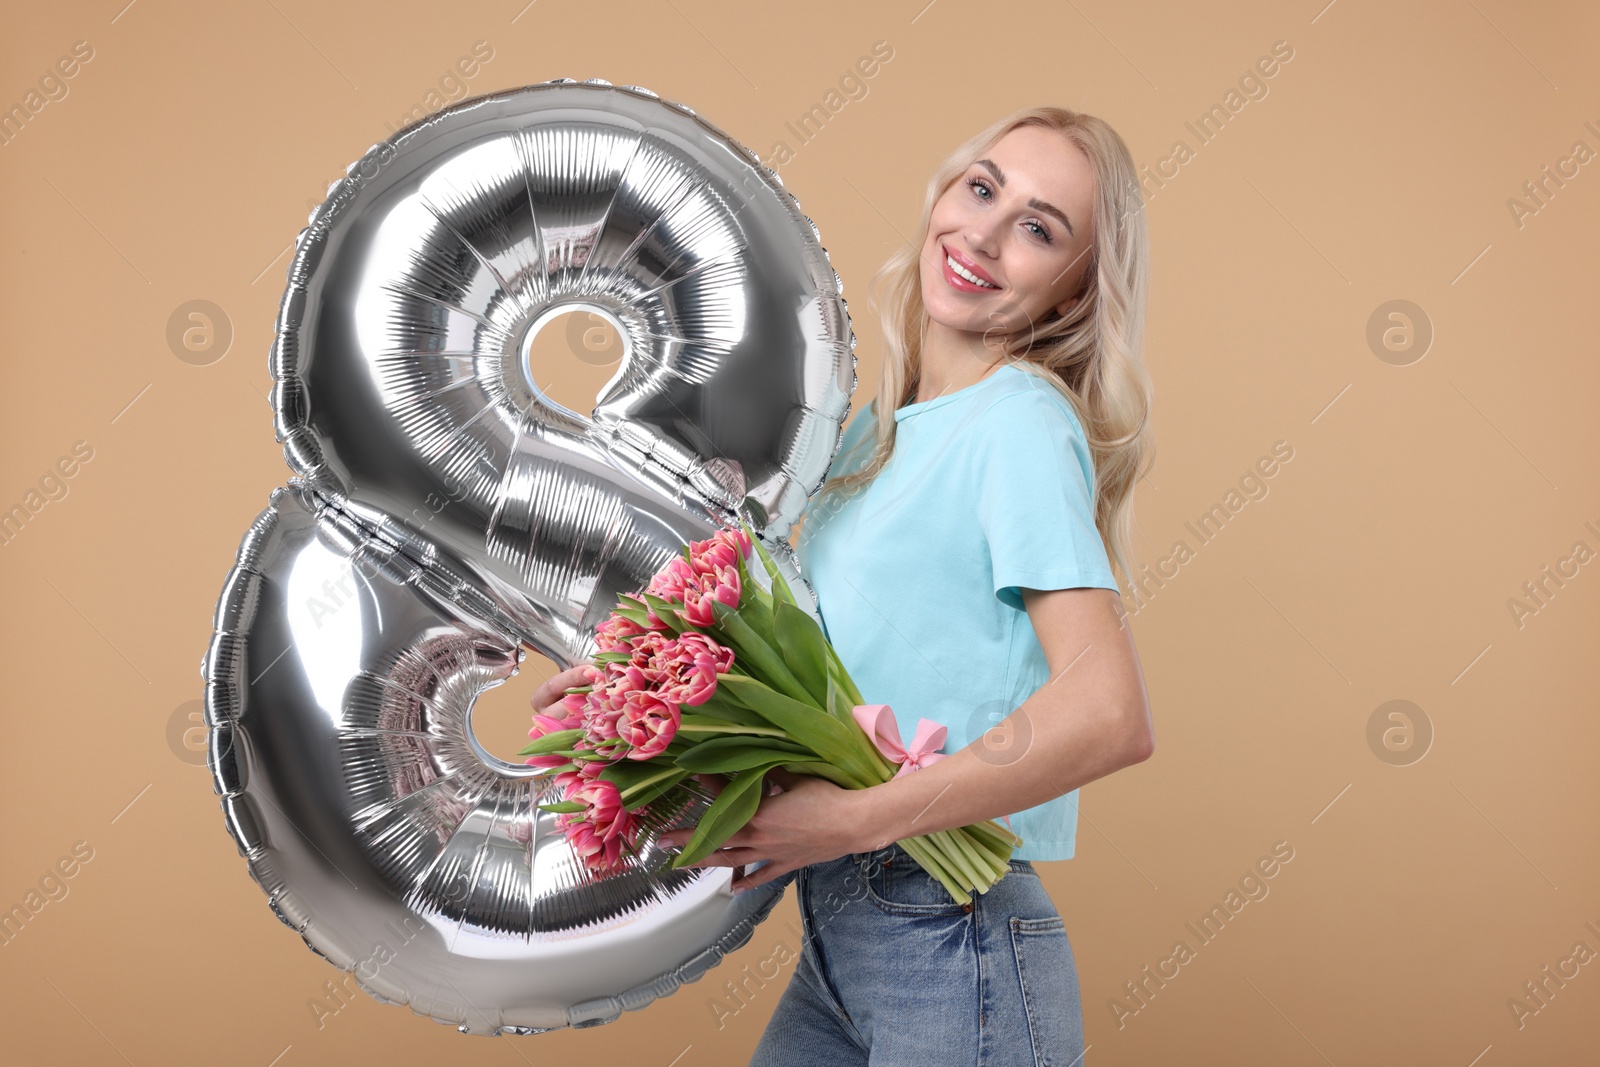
447,513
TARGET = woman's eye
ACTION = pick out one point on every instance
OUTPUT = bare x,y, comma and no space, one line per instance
981,187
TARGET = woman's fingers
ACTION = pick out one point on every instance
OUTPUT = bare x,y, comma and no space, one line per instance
712,782
675,838
551,690
784,780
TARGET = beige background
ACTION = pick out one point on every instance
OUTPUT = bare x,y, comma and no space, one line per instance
1379,566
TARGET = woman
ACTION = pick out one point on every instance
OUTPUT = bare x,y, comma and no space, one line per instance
959,561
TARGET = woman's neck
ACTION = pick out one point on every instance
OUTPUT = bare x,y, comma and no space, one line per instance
952,360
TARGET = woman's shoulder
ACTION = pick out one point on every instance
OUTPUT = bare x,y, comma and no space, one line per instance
1026,406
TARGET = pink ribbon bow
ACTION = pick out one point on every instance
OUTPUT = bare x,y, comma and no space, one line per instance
879,723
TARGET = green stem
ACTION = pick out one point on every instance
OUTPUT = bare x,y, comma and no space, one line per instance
646,784
959,856
995,836
937,850
928,857
997,863
994,858
570,753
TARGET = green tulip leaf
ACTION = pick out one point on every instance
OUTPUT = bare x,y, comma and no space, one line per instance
804,648
556,741
780,586
834,741
732,808
729,754
570,807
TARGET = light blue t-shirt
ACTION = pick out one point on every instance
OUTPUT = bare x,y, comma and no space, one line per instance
918,577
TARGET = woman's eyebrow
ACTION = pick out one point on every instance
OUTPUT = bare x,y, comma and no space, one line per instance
1033,202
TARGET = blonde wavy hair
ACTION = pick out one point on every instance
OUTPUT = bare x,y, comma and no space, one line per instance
1093,354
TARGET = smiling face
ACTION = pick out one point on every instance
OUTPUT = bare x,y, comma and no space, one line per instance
1009,241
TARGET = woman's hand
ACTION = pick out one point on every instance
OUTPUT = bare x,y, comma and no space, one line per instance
810,821
546,700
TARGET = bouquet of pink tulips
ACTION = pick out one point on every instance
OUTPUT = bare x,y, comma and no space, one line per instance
704,672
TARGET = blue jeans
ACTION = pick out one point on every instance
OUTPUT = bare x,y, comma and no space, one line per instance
894,973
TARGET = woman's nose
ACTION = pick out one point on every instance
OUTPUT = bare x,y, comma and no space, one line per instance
983,238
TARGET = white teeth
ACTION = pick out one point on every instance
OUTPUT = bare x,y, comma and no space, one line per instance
967,274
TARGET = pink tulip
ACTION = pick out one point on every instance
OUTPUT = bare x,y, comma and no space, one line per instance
603,801
615,703
629,678
669,581
547,724
600,721
723,549
648,651
617,632
597,833
614,633
648,724
711,570
599,855
699,644
571,781
687,668
589,712
657,624
719,585
574,703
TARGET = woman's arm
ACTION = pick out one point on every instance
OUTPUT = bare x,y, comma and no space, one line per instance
1091,718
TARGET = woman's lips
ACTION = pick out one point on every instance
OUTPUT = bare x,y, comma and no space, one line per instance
956,281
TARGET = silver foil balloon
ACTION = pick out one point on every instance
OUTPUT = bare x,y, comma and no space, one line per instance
341,680
447,514
404,395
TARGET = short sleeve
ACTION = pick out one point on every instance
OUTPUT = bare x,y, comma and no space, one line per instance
1035,498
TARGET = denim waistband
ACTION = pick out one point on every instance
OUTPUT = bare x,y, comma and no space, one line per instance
895,850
